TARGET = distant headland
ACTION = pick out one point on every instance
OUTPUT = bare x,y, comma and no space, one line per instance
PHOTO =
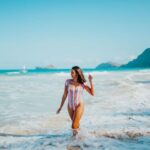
142,61
50,66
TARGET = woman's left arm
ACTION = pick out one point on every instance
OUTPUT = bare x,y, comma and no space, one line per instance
90,89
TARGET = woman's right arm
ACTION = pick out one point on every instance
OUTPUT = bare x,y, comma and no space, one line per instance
63,98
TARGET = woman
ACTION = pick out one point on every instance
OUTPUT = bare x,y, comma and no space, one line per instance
74,90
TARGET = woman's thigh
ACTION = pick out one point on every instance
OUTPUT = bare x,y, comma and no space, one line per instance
70,111
78,114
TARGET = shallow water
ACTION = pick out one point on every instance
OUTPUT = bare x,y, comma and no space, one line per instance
116,118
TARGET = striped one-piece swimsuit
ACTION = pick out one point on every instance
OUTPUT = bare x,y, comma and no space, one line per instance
75,94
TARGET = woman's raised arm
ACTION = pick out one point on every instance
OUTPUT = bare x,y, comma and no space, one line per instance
90,89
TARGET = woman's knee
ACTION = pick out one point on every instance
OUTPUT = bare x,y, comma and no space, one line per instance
75,125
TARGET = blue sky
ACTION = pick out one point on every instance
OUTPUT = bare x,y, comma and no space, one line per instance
72,32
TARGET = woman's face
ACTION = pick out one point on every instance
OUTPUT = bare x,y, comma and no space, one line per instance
73,74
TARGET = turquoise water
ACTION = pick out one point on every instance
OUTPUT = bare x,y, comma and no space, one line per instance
116,118
36,71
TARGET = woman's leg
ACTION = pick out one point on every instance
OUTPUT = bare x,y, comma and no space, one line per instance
70,111
77,116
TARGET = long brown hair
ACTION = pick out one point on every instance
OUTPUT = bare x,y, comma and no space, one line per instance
81,79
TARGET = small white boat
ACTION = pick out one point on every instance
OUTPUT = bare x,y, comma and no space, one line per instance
23,70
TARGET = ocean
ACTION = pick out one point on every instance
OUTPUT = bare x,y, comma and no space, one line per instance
116,118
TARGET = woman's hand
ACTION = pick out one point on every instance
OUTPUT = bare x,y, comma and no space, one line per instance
90,78
58,111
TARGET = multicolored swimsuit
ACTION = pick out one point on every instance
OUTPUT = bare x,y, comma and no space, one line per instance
75,94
